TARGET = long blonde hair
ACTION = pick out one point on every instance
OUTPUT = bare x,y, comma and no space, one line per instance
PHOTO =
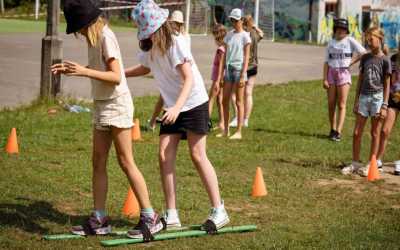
248,23
162,38
378,32
94,32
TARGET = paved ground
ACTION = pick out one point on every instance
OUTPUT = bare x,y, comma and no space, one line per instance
20,65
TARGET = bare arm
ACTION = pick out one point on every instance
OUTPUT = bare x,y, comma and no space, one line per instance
259,31
356,59
186,73
112,76
325,76
157,110
221,67
245,61
138,70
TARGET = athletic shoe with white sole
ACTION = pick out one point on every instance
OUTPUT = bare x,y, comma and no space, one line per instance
352,168
217,219
397,167
234,122
364,170
93,226
146,227
171,221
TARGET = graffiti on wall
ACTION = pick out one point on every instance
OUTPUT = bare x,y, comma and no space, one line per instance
390,22
326,28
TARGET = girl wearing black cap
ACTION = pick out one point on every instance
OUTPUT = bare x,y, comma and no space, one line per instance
337,77
113,115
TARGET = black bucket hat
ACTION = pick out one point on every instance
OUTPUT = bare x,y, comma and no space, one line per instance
79,14
342,24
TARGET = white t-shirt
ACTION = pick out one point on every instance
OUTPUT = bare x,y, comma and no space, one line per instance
98,57
339,53
169,80
235,43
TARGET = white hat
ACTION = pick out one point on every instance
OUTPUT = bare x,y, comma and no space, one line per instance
177,16
236,14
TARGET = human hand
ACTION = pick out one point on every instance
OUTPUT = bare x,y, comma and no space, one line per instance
325,84
170,115
75,69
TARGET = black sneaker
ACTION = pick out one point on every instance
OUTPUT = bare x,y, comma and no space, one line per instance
332,134
337,136
93,226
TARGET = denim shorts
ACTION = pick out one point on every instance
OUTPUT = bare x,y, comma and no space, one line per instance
232,74
370,105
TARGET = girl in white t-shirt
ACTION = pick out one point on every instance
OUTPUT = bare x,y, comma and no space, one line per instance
337,76
185,101
112,117
236,61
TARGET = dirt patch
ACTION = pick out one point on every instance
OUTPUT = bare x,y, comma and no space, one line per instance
390,182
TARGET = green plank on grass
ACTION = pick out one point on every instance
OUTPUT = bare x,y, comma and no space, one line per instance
116,233
175,235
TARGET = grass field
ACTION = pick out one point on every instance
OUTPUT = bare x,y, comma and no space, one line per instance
47,188
23,26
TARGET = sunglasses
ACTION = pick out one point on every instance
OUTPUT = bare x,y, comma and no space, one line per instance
234,20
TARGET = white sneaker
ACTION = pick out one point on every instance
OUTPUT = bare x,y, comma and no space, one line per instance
234,122
397,167
218,216
172,220
364,170
352,168
246,123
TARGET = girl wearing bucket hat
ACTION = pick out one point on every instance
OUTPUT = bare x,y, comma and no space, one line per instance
178,25
185,101
113,115
371,100
337,76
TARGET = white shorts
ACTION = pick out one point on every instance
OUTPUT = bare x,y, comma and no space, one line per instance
116,112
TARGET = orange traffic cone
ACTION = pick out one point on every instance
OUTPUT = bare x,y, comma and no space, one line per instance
12,143
259,185
136,136
131,207
373,173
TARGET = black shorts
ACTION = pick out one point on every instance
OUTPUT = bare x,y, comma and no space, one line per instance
196,120
393,104
252,72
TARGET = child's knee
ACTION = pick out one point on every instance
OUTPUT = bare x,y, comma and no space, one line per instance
197,156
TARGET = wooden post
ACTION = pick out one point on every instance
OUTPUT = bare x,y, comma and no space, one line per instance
2,6
37,7
187,15
256,11
51,52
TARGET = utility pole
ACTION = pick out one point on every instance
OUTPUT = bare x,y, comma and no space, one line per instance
51,52
37,7
187,15
2,6
256,11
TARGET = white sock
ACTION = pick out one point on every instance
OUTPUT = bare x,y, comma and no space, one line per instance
172,213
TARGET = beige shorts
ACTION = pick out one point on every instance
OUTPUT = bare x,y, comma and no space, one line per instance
117,112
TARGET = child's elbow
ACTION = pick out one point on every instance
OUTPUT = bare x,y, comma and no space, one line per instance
117,80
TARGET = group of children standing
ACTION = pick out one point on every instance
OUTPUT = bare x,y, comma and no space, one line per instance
377,94
166,53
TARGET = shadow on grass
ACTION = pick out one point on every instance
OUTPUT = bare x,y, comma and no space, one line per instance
297,133
31,217
310,163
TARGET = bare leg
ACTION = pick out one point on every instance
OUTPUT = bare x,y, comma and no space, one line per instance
386,130
101,145
239,90
357,135
342,93
248,97
227,93
332,106
376,127
167,156
220,108
123,146
197,147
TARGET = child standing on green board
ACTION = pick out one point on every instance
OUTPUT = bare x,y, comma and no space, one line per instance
113,115
183,94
